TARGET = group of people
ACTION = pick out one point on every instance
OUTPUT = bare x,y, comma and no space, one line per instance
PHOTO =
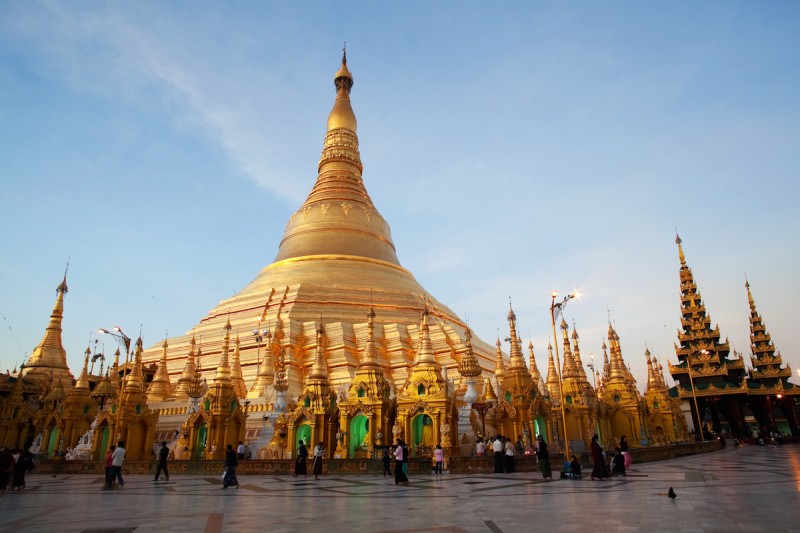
300,467
617,465
13,466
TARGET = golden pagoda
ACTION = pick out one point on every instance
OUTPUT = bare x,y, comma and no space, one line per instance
336,259
49,357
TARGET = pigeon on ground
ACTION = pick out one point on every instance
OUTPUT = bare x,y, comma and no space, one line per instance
672,494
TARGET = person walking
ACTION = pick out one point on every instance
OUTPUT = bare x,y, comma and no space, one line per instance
231,462
316,467
6,467
300,463
497,448
599,471
117,458
163,454
387,471
23,464
109,477
400,477
623,445
544,459
438,455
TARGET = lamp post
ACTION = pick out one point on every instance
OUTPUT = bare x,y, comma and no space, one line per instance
594,376
482,408
555,310
259,336
125,341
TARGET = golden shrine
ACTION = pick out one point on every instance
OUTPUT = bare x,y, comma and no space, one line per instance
336,342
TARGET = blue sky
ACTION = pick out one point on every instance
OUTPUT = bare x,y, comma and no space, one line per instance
513,149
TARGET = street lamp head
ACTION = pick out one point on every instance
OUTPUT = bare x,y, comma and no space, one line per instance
592,356
101,330
555,293
118,329
576,294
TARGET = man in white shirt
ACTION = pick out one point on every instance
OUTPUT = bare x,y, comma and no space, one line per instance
240,451
497,447
117,458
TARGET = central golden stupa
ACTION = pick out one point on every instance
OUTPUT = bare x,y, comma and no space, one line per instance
335,260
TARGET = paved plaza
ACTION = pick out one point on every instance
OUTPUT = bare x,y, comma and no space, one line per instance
747,489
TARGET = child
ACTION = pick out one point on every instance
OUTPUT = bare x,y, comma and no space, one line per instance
386,462
575,468
618,464
438,454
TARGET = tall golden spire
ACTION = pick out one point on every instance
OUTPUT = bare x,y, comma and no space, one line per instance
370,350
50,356
182,390
552,383
535,374
223,368
425,354
652,378
319,370
134,383
236,371
500,366
338,217
515,361
767,364
576,355
83,379
114,378
160,388
568,370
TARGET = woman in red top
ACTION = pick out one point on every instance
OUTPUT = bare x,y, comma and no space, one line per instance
109,478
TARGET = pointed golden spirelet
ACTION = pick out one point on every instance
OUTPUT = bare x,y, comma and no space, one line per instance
535,374
83,379
319,370
223,368
236,371
160,388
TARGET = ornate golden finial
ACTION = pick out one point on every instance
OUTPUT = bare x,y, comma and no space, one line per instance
468,366
678,241
749,295
319,371
370,350
83,379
